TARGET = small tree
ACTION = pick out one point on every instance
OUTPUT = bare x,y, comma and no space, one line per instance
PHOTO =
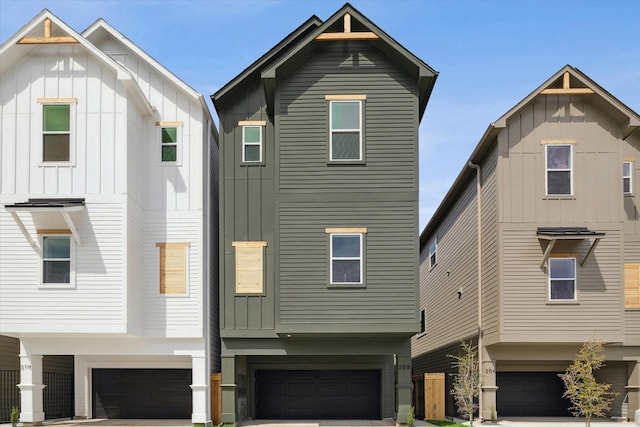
588,397
466,383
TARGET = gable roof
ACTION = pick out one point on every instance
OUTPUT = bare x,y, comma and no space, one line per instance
301,42
568,81
46,28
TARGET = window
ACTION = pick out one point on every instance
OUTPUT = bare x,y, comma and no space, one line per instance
632,286
169,144
559,169
56,132
345,119
562,279
57,265
252,143
346,258
627,177
249,267
173,268
423,321
433,249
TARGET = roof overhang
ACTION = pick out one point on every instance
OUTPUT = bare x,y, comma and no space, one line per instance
62,206
553,234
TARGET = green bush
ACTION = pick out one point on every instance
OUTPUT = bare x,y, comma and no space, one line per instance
15,416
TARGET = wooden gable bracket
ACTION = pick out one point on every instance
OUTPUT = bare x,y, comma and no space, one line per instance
567,89
47,38
347,34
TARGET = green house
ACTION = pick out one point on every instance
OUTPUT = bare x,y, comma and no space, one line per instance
319,225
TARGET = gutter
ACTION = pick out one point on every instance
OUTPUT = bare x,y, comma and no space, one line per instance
479,273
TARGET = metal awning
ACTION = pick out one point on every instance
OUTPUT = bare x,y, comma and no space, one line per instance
553,234
63,206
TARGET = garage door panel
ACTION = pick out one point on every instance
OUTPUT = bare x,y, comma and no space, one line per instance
531,394
325,394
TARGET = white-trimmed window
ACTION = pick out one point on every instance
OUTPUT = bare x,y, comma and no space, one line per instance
251,144
57,124
173,267
423,322
433,250
345,128
346,247
58,267
559,169
562,279
170,142
627,177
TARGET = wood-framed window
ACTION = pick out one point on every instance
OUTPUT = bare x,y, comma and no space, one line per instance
433,252
249,267
631,285
559,169
170,142
173,267
627,177
346,255
58,258
346,133
562,279
57,124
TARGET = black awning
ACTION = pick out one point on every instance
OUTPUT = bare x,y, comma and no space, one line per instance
553,234
32,204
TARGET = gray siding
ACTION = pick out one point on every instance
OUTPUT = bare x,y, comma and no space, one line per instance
9,351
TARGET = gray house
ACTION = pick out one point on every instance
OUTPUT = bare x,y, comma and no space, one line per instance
535,249
319,197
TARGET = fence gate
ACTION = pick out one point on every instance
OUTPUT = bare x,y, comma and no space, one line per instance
434,396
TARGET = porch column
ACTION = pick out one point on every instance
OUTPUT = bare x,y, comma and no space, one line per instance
229,389
404,385
633,388
30,388
200,391
488,412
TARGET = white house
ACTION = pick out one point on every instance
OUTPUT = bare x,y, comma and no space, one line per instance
108,220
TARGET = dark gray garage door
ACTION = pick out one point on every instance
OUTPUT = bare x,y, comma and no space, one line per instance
536,394
141,393
303,394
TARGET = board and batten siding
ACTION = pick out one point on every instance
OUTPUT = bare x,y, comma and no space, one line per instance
99,124
388,297
631,152
526,311
95,304
389,127
596,197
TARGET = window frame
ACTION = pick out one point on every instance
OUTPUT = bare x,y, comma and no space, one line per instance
574,279
71,102
246,144
423,323
344,99
627,177
433,255
165,246
178,125
548,170
257,246
342,232
43,236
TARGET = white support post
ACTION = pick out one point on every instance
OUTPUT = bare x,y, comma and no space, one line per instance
200,391
30,388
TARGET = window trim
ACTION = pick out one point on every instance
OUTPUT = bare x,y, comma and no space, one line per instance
433,256
335,232
252,123
629,177
575,280
42,235
569,144
246,144
360,100
71,102
178,125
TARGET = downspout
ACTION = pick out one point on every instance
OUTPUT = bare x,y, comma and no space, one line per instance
479,274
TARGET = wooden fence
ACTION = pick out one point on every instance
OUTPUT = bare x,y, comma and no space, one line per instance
429,396
216,398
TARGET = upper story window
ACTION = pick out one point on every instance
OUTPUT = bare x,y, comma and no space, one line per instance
173,268
423,321
346,248
249,267
57,260
559,169
627,177
562,279
170,142
346,139
57,122
252,141
433,250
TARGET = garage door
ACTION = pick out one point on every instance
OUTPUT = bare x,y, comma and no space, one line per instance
536,394
141,393
303,394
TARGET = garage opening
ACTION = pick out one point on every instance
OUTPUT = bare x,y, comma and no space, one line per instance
531,394
141,393
323,394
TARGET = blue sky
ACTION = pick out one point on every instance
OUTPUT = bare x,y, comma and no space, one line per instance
490,53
